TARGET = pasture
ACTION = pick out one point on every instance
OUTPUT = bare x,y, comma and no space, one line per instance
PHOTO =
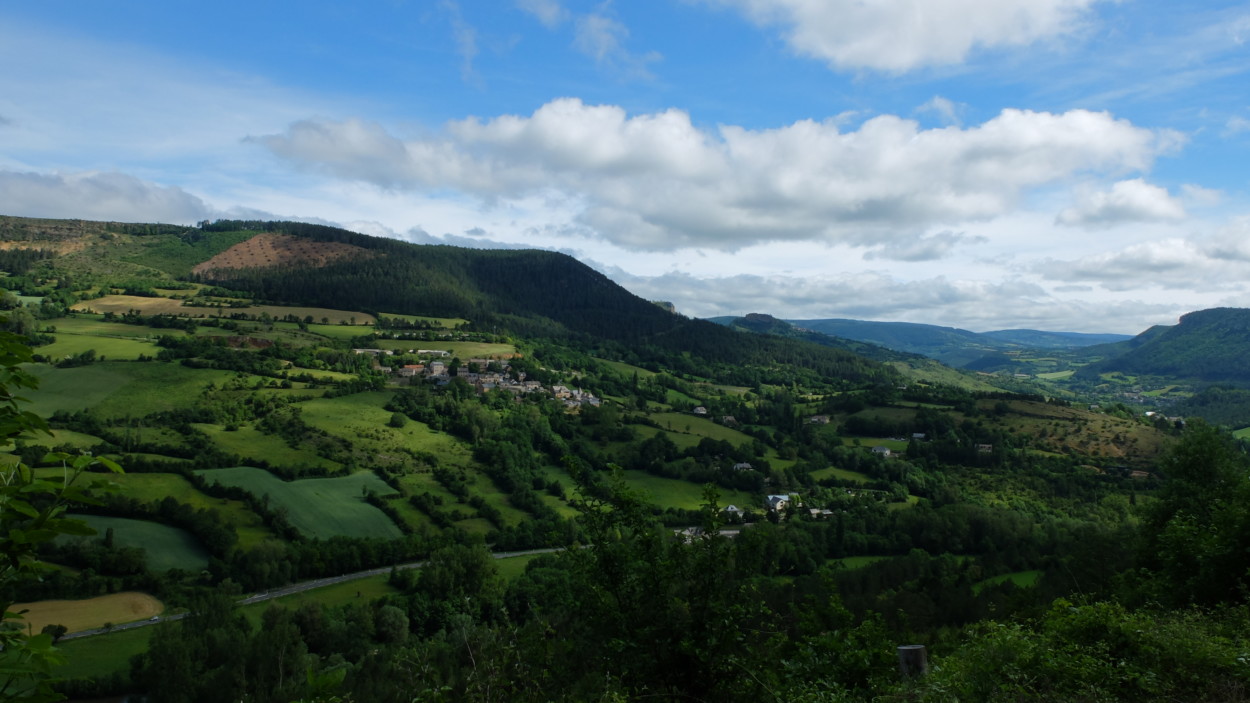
318,507
251,443
90,613
361,418
675,493
844,474
153,488
167,547
166,306
102,654
463,350
120,348
444,322
700,427
1022,579
120,389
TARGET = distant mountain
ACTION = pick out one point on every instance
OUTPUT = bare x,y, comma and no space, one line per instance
951,345
1207,346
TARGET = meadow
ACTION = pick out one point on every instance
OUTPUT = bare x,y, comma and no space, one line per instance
675,493
120,389
166,547
318,507
251,443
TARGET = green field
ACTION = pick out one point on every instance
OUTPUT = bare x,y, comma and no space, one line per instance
102,654
858,562
318,507
700,427
77,440
1056,375
167,547
120,389
675,493
152,488
361,419
251,443
463,350
844,474
355,591
1022,579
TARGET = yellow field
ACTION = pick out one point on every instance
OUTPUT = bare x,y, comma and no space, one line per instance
154,306
86,614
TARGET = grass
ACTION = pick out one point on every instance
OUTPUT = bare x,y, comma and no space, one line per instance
844,474
251,443
463,350
444,322
510,569
102,655
1243,433
96,326
90,613
675,493
167,547
361,418
1057,375
356,591
77,440
858,562
152,488
120,389
123,348
318,507
1022,579
155,306
699,426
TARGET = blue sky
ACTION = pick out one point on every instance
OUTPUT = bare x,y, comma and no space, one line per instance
987,164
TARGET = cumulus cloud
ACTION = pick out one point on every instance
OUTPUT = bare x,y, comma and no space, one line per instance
902,35
657,182
549,12
97,196
1220,262
1128,201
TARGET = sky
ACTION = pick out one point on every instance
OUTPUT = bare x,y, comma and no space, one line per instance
1068,165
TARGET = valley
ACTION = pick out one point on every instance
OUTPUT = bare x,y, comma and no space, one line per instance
294,402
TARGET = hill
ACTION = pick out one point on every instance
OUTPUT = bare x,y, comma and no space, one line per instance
951,345
1210,346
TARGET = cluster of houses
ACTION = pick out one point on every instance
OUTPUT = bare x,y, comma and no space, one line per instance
482,380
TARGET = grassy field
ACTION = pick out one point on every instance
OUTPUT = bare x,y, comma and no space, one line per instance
120,389
361,418
103,654
1056,375
359,590
858,562
675,493
91,613
152,488
1022,579
463,350
700,427
167,547
318,507
117,348
444,322
844,474
77,440
251,443
1243,433
95,325
157,306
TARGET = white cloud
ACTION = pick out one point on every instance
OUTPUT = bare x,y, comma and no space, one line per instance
879,296
549,12
1128,201
1236,125
903,35
946,110
657,182
97,196
602,37
931,248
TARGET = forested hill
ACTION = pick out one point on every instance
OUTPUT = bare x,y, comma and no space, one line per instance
1207,345
767,324
528,293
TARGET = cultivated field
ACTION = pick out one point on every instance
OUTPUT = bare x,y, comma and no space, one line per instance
75,615
120,389
167,547
675,493
318,507
251,443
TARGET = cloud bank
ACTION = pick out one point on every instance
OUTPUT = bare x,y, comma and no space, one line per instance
657,182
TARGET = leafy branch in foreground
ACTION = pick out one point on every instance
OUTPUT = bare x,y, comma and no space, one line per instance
32,512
